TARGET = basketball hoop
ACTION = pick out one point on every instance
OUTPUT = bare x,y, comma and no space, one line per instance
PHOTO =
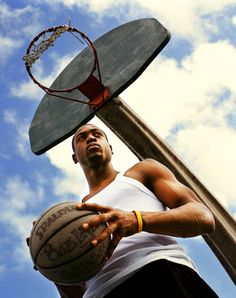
91,87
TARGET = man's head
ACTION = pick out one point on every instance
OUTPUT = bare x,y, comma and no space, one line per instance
90,146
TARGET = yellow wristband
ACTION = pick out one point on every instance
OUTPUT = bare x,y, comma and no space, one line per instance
139,219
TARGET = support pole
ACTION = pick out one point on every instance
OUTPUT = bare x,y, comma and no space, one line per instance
127,125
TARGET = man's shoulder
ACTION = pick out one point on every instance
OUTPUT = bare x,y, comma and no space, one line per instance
145,168
146,164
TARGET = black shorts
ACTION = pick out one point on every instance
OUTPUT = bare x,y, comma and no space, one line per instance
163,279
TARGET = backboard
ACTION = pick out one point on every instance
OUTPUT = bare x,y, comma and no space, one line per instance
123,54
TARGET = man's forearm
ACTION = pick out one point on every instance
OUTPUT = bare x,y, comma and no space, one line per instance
188,220
76,291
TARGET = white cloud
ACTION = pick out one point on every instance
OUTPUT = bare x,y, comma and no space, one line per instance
18,194
209,152
181,92
213,65
16,24
2,268
191,20
17,197
7,47
27,90
96,6
234,20
70,181
188,19
21,126
6,13
21,21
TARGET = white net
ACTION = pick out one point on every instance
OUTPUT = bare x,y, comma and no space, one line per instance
42,44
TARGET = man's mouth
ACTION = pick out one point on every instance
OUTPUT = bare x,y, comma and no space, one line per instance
93,146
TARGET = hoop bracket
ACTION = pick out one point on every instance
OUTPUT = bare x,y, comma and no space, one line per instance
94,90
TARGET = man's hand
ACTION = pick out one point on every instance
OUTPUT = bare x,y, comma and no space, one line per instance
28,243
120,224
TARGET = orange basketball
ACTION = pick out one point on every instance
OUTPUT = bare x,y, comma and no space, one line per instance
61,250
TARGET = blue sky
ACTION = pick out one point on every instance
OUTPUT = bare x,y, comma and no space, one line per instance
187,94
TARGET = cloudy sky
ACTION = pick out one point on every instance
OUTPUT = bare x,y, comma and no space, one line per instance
187,95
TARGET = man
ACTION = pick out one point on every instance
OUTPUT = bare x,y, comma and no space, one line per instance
144,207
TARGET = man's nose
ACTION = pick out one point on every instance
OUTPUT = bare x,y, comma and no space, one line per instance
91,138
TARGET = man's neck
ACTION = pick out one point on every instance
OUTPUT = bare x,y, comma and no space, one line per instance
99,178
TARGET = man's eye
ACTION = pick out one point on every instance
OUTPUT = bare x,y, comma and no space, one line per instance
97,134
80,138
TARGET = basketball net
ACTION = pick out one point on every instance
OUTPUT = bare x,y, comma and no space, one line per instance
92,87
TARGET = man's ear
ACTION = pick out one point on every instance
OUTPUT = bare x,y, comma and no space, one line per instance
74,158
111,149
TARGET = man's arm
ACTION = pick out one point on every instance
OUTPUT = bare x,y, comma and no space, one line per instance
187,215
71,291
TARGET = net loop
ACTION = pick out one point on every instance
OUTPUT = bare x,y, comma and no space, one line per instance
36,50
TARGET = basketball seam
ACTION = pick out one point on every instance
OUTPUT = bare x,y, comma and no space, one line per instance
42,215
88,276
69,261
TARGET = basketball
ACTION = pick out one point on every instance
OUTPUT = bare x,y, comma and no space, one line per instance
61,250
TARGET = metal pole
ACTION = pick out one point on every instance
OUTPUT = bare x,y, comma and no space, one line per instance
126,124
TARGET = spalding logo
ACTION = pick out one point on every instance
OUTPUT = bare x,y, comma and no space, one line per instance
51,219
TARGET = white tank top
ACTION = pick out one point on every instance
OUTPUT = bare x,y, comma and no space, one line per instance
139,249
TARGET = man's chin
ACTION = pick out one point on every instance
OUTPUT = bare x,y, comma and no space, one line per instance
95,157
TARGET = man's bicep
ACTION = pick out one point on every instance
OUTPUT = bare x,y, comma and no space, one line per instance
163,183
171,192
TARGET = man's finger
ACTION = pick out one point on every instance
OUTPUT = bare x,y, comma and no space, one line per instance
93,207
115,240
27,240
106,233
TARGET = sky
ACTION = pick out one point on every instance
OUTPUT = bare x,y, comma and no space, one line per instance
187,95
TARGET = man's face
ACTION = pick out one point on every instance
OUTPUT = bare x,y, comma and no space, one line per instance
91,146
